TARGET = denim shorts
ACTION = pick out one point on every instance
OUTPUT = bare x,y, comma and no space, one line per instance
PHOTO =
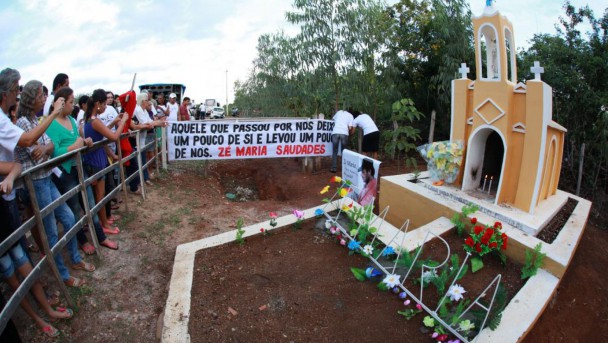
92,170
14,258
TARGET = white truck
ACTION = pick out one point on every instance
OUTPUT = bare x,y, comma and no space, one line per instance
210,104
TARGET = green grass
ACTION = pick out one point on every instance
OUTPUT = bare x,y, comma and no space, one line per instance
127,217
184,211
77,293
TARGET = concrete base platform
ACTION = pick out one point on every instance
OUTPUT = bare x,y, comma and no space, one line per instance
428,211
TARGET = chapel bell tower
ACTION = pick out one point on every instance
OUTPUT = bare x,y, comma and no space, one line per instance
512,145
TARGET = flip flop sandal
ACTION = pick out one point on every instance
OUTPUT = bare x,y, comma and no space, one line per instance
84,266
51,331
74,282
112,231
67,310
113,246
88,249
62,310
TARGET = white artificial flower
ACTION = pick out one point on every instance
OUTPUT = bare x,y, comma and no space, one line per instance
328,224
368,249
391,280
456,292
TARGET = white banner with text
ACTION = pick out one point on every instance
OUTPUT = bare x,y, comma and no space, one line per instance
214,139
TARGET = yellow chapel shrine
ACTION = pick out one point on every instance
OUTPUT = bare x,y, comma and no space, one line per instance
510,139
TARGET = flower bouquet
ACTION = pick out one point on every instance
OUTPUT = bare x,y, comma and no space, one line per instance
443,159
483,240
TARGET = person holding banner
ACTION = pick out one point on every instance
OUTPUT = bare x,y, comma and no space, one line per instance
371,134
343,124
368,193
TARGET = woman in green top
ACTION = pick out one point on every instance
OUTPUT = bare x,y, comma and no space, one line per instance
63,131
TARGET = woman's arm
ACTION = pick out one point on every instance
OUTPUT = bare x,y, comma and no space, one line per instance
13,170
101,128
29,138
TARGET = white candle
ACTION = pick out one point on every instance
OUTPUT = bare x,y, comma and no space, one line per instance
484,183
490,187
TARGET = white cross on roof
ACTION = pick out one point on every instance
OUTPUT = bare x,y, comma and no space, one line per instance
537,70
463,70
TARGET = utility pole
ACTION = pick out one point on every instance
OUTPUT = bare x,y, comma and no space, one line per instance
226,111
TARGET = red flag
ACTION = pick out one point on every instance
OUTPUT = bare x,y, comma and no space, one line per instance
128,101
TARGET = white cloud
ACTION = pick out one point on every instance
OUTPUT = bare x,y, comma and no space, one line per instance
102,43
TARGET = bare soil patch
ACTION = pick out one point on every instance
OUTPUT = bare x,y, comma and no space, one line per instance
297,286
126,295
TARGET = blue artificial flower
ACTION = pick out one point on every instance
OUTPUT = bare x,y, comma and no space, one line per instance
354,245
318,212
388,251
372,272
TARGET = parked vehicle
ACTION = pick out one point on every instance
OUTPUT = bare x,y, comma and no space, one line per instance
209,105
166,89
217,113
235,112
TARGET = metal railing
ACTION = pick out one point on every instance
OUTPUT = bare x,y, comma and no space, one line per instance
48,260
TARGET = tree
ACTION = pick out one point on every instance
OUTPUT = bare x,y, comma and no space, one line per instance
576,68
431,38
324,37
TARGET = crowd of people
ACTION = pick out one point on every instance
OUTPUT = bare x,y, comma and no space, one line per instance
35,127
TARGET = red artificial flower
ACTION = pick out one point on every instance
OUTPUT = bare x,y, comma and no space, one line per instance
469,241
485,239
473,220
478,229
493,245
442,338
262,230
489,232
504,242
478,248
498,225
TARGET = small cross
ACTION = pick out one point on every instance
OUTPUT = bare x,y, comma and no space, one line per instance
537,70
463,70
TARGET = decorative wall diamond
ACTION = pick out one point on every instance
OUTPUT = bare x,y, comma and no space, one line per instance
489,111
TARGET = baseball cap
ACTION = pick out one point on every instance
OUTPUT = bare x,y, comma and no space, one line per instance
172,95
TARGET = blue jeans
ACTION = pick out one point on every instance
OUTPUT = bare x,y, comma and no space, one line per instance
46,192
65,183
11,221
337,141
132,168
14,258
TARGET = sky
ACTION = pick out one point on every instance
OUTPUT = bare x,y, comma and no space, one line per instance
205,45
